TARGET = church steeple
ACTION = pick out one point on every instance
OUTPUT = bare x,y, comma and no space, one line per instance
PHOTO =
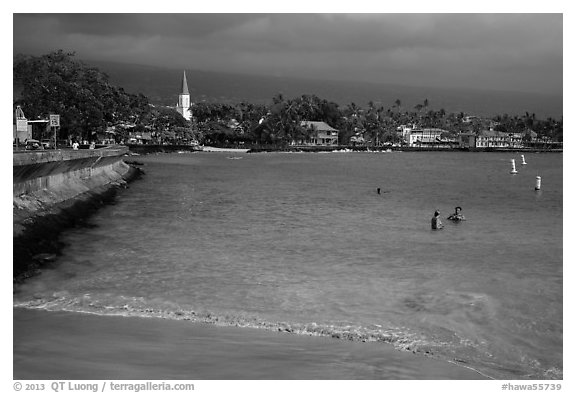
184,84
183,106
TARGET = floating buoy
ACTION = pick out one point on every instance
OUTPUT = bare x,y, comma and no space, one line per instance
538,183
523,160
513,171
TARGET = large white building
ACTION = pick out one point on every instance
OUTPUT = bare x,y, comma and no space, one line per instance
424,137
183,106
490,138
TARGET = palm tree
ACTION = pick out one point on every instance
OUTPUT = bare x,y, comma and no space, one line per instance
529,120
352,109
278,98
379,112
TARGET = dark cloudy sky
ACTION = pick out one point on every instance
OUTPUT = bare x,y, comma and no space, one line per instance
521,52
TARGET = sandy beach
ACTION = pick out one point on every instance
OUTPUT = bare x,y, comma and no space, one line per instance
62,345
223,150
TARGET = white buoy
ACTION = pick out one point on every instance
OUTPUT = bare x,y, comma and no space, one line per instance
523,160
538,183
513,171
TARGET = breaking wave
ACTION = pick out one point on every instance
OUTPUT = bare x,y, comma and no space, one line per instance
443,348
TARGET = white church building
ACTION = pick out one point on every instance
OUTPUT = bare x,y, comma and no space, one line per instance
183,106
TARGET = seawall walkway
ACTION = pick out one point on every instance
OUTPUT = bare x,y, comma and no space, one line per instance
57,189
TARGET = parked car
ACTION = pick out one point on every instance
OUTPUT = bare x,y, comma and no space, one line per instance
48,143
33,144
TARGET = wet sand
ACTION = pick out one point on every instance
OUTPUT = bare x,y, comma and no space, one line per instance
62,345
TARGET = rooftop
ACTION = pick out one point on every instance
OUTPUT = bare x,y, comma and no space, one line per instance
317,125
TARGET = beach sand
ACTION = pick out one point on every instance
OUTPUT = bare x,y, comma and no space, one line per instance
63,345
223,149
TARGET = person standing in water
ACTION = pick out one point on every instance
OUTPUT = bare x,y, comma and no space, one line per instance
436,222
457,215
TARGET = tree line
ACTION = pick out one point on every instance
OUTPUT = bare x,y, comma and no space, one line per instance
88,104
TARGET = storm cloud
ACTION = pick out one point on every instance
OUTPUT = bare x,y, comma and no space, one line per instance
521,52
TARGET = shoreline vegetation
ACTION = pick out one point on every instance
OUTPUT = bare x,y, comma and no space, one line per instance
92,109
154,148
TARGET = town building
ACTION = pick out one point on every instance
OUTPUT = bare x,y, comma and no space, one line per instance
183,106
322,134
235,125
427,137
357,139
403,130
530,135
469,119
25,129
490,139
467,140
516,140
21,130
140,138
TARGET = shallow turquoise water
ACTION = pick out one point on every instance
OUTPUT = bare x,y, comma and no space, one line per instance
303,242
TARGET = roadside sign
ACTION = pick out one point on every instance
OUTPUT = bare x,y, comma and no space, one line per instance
21,125
54,120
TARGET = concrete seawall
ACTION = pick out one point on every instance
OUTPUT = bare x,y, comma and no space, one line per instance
51,177
48,177
55,190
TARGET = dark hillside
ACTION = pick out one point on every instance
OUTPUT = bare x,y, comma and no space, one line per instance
162,85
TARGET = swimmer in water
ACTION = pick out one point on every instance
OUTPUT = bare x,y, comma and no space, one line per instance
436,222
457,215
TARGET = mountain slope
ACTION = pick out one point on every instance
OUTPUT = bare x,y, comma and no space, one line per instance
162,86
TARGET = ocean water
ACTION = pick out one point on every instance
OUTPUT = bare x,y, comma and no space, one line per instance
303,243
